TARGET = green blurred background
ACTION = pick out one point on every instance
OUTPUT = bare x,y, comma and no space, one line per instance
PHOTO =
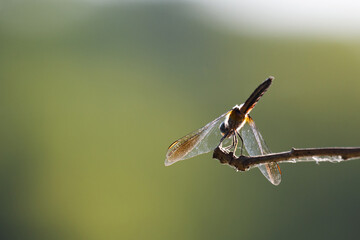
93,93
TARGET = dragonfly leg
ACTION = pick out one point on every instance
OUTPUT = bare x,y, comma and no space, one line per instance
242,143
228,147
222,139
235,143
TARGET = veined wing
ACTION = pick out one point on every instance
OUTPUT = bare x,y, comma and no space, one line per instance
255,145
198,142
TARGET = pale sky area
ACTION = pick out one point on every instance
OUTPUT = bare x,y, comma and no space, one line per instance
331,19
318,18
338,18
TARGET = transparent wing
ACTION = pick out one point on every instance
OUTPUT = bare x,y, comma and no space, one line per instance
255,145
198,142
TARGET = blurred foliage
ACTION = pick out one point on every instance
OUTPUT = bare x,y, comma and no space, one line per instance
91,96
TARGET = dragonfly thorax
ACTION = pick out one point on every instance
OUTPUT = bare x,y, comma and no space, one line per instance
234,120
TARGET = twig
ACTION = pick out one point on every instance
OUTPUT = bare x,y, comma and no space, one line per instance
243,163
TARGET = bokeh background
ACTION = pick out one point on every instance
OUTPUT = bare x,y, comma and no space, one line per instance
93,92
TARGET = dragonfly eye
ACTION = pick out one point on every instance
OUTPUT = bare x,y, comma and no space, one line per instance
223,129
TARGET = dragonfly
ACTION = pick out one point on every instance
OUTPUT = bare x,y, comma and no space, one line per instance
227,129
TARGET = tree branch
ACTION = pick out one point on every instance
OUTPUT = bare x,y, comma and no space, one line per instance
243,163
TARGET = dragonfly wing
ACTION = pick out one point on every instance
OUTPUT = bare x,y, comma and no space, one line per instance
255,145
198,142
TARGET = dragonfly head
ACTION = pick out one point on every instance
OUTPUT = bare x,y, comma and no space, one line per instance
224,128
